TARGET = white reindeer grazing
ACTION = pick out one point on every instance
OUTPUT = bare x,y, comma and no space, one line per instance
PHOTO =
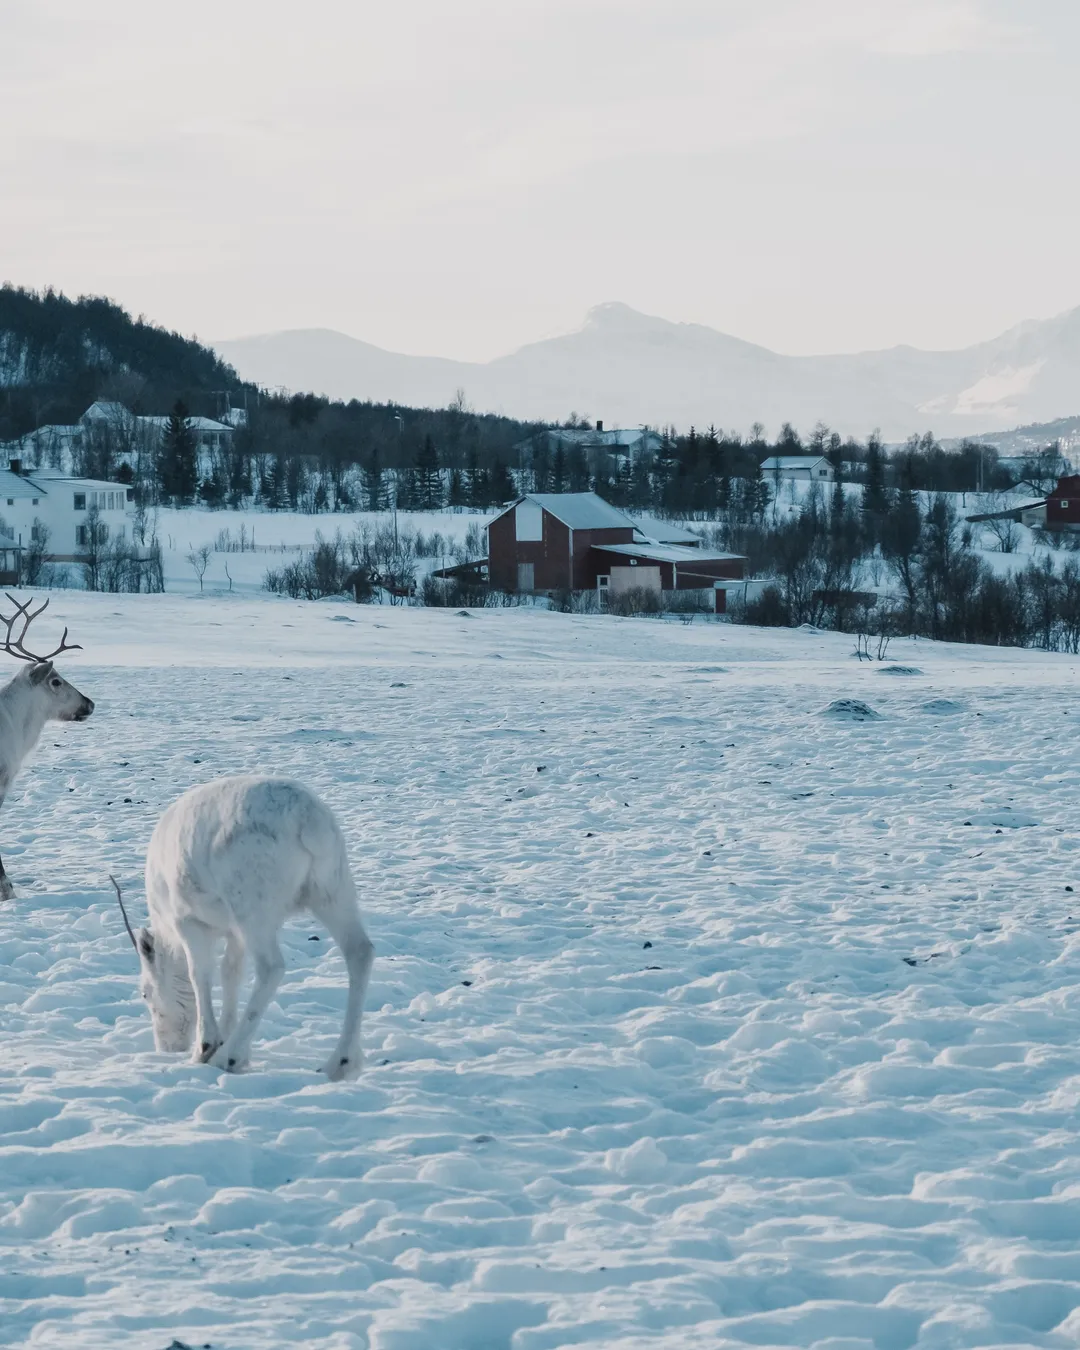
234,859
36,695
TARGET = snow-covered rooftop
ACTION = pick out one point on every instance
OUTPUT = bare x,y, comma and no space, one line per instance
792,462
195,423
664,532
672,553
16,486
582,510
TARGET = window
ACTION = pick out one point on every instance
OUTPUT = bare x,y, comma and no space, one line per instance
80,501
34,501
37,532
1064,505
11,501
80,536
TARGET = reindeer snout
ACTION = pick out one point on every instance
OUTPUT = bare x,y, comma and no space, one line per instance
85,709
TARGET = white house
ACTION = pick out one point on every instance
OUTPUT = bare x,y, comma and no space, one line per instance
799,469
107,420
629,441
62,505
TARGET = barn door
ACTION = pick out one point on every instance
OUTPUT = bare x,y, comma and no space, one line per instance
526,580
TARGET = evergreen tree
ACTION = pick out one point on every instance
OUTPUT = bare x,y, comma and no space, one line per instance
212,490
428,480
875,498
501,487
406,493
640,496
664,467
374,484
456,497
558,469
577,470
178,466
477,487
239,474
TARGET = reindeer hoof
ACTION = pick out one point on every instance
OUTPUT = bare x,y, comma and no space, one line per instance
339,1068
230,1063
205,1052
7,890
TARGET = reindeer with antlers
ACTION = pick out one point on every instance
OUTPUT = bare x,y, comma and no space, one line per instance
35,696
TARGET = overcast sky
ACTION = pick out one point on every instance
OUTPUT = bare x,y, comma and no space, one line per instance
460,178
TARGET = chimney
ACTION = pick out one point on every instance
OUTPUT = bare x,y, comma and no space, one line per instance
15,465
599,424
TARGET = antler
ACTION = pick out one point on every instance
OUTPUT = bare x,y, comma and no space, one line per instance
17,647
123,911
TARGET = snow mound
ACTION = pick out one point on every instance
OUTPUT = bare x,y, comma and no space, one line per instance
852,710
939,706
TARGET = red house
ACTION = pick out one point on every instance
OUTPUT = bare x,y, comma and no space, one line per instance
1063,505
550,541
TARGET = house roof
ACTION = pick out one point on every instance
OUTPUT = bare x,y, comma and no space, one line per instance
579,510
15,485
663,532
793,462
51,476
195,423
106,409
671,553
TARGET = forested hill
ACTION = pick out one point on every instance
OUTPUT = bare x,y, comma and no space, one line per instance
58,355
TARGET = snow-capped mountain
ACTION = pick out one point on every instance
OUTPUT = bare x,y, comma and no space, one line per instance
630,368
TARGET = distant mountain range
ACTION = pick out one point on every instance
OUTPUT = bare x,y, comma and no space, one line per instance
628,368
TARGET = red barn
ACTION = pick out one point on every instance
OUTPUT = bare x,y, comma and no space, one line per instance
1063,505
549,541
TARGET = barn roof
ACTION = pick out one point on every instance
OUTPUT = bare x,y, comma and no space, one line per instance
672,553
663,532
580,510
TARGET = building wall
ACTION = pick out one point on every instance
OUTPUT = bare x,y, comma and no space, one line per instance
55,509
1063,505
693,575
683,577
553,569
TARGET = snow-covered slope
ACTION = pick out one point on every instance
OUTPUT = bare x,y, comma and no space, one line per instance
699,1017
629,368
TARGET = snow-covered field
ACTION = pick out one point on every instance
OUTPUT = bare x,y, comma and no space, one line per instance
280,537
700,1018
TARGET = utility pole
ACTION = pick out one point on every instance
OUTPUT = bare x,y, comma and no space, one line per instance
401,439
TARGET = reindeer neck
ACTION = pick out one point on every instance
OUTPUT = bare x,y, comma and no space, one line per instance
23,714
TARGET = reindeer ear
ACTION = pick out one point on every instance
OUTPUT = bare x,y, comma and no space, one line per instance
146,944
40,672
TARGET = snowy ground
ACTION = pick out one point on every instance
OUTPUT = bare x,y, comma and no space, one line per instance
699,1018
280,537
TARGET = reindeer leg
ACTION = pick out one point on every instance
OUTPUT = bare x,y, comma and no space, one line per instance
7,890
269,970
359,954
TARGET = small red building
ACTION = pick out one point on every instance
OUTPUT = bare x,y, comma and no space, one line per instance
1063,505
550,541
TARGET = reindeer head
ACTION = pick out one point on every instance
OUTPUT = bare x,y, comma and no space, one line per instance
164,986
64,703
